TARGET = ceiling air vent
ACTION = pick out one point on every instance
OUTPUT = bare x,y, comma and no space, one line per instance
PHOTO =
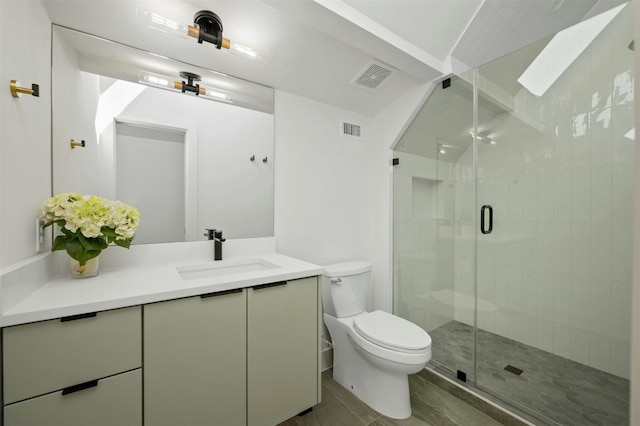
373,75
350,129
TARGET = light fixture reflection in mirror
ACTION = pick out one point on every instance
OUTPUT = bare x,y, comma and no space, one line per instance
165,82
96,86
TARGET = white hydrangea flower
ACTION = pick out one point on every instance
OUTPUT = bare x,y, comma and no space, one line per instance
89,214
55,208
125,220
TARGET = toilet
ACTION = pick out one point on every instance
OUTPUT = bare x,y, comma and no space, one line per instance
373,352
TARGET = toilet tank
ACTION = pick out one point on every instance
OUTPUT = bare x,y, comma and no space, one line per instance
345,288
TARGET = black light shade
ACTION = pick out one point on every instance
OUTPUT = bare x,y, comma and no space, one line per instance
210,27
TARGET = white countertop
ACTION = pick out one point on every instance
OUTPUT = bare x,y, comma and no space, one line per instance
118,287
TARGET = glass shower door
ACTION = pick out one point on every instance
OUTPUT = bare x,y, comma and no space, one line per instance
554,274
434,257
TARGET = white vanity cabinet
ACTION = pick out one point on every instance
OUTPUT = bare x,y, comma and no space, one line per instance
283,322
74,370
195,360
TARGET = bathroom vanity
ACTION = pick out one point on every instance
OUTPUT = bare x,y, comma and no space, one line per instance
235,344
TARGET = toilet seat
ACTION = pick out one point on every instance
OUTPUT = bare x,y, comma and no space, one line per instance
392,332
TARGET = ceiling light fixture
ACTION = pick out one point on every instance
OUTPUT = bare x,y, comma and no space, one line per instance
191,85
481,135
207,27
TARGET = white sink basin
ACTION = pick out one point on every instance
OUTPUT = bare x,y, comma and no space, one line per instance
223,268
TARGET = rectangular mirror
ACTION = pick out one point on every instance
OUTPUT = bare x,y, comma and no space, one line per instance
124,129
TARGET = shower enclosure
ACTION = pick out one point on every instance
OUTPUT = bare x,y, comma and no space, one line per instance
513,203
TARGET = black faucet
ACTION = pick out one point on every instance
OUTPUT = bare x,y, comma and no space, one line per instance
216,236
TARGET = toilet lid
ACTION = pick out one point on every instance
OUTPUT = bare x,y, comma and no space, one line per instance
392,332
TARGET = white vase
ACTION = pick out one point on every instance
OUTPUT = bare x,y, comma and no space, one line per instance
89,269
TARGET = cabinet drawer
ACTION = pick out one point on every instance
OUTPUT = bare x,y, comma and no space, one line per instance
51,355
116,400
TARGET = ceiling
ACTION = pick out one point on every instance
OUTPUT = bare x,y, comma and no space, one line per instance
315,48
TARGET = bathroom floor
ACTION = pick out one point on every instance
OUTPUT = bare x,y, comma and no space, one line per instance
432,406
564,391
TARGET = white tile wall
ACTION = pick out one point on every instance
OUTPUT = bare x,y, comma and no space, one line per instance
601,136
600,351
562,195
545,334
580,345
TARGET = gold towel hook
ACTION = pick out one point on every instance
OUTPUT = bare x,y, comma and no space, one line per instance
16,90
74,144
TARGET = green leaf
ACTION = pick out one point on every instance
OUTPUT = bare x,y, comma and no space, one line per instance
90,254
60,243
123,243
78,252
45,224
92,244
70,234
109,233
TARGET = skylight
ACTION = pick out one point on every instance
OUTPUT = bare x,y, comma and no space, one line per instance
113,101
562,50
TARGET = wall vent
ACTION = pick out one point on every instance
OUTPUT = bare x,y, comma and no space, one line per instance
373,75
350,129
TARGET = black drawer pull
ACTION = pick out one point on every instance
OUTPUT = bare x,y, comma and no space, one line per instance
261,286
79,316
221,293
81,386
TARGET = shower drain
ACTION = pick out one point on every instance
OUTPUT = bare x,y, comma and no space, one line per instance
511,369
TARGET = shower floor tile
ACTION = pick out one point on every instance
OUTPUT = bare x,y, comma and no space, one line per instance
561,390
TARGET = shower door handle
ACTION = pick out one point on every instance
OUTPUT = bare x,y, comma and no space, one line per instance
483,228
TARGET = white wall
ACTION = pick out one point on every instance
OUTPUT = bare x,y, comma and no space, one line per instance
25,126
74,103
322,206
333,193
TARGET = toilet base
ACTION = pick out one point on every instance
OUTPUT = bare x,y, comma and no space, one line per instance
381,384
387,394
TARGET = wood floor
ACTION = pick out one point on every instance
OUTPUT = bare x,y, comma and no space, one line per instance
432,406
